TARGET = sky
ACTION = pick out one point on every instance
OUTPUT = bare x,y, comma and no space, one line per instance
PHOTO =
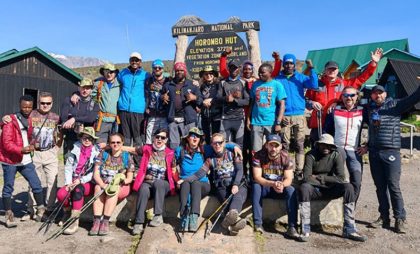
110,30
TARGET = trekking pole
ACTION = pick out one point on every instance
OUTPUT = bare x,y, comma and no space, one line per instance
319,120
57,209
217,210
184,214
71,220
208,231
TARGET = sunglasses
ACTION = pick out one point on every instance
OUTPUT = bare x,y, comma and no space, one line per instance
45,103
157,68
115,142
209,73
217,143
87,138
159,137
193,135
135,60
349,95
109,72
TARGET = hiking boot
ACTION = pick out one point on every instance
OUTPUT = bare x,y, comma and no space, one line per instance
104,227
66,216
236,227
292,233
259,229
156,221
193,224
75,225
95,227
303,237
400,226
137,229
27,216
380,223
10,219
230,218
39,213
355,236
185,221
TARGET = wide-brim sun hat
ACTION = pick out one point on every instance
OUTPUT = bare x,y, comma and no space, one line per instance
88,131
208,68
326,139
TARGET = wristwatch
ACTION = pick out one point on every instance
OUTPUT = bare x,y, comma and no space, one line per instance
278,122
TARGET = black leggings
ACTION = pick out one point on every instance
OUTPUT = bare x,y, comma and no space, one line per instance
198,190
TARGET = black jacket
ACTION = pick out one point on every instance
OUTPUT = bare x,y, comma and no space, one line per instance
190,113
215,110
385,133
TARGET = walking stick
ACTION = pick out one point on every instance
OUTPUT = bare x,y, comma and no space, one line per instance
48,222
186,212
208,230
319,120
217,210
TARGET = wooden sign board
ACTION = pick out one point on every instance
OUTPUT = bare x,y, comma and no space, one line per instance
221,27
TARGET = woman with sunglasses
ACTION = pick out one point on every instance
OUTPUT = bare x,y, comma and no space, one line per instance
157,174
77,177
110,164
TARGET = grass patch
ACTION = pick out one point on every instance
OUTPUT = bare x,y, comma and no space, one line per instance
412,119
135,241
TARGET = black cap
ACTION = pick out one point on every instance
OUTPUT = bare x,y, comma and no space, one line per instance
331,64
234,63
378,88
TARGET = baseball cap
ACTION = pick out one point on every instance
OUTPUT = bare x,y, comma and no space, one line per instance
378,88
274,138
331,64
289,58
136,55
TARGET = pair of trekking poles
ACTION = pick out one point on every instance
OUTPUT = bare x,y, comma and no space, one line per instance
220,210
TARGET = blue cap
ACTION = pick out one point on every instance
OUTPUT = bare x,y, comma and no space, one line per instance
157,63
274,138
289,58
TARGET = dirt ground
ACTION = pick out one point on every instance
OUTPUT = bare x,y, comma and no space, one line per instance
24,239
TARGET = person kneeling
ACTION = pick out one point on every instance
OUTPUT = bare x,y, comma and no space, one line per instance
324,177
157,175
113,174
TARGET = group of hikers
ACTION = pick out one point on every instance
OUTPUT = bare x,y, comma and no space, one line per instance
231,133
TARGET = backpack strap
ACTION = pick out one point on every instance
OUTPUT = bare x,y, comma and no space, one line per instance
99,92
125,157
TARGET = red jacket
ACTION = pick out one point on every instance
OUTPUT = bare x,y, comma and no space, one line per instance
147,152
11,142
330,92
224,72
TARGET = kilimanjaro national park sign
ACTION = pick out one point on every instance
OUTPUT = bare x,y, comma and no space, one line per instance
205,49
212,39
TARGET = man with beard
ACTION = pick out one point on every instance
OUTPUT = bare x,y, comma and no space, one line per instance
294,120
324,177
155,108
344,123
272,178
15,156
183,98
75,117
383,116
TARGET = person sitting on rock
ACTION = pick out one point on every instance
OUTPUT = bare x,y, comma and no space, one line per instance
113,173
272,177
157,175
323,176
227,172
77,177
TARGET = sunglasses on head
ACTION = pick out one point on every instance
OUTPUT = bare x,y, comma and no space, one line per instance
347,95
159,137
218,142
115,142
45,103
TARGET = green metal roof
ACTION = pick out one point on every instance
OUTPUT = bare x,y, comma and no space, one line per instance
10,54
358,53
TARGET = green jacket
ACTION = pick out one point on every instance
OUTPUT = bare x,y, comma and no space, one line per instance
108,98
323,170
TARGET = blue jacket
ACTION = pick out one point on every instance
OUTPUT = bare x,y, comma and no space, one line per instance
132,95
190,113
294,87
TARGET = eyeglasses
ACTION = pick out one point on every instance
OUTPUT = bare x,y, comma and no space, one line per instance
87,138
217,143
159,137
349,95
157,68
45,103
115,142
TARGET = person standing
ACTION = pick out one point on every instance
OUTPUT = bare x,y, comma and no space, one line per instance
132,100
74,117
294,120
383,116
15,156
155,108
